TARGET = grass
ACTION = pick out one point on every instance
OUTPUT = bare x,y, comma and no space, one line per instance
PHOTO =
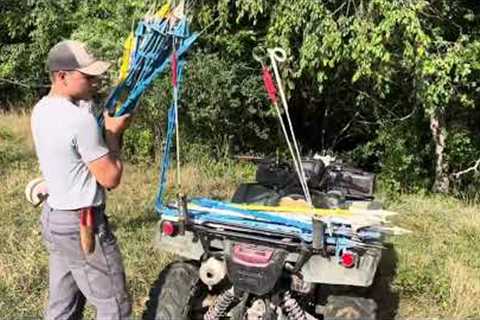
434,271
438,268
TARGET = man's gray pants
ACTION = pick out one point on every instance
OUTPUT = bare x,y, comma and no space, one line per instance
73,276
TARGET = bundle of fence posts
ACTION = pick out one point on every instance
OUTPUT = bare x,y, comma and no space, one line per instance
355,227
148,52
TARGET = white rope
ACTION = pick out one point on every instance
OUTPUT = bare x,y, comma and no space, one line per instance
177,135
295,160
278,54
177,139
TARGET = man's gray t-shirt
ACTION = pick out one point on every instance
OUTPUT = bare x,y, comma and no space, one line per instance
67,138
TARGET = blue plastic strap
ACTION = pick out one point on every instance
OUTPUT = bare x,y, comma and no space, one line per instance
168,143
133,97
165,158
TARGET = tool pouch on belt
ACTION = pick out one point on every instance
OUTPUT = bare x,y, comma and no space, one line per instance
87,232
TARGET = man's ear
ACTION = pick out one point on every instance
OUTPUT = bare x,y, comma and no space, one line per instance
62,76
58,76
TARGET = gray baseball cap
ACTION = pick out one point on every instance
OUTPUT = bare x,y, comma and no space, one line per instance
73,55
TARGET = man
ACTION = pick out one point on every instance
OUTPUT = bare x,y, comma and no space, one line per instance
78,161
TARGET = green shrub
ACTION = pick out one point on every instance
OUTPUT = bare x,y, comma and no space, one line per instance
138,144
396,157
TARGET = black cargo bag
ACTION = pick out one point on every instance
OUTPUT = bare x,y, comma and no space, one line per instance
273,173
314,172
282,174
353,183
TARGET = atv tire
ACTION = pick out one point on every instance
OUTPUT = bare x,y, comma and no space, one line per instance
172,295
349,308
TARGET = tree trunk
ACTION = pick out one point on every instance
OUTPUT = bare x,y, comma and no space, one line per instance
439,133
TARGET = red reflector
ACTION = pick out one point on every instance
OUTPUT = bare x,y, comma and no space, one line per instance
348,259
168,228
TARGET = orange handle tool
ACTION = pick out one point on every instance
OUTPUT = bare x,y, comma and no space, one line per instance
87,234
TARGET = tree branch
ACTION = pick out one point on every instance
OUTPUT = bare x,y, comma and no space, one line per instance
347,126
21,84
338,9
386,109
474,168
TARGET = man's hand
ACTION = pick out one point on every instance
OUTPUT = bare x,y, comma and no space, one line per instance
116,125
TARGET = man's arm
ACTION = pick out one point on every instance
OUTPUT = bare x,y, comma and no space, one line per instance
108,169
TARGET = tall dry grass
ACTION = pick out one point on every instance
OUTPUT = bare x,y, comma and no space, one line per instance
19,125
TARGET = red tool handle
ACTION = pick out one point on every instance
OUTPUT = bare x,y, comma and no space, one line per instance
269,85
87,217
87,235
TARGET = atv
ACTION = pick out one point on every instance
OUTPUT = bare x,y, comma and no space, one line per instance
233,270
